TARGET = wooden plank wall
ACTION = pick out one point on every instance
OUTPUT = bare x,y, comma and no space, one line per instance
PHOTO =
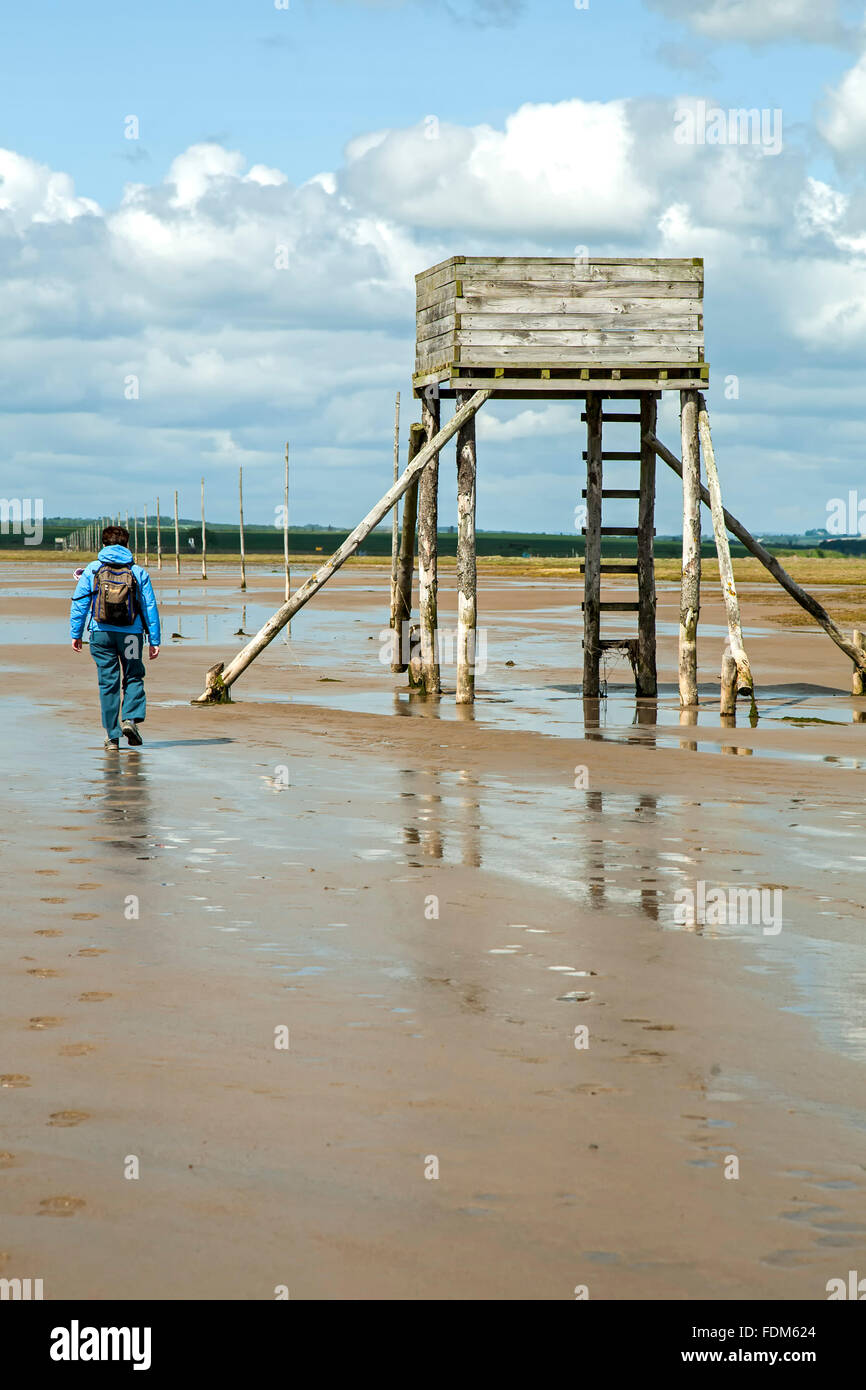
540,312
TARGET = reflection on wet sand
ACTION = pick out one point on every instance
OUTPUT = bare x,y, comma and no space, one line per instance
123,798
602,867
444,826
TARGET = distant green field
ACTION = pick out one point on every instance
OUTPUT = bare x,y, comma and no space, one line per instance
261,540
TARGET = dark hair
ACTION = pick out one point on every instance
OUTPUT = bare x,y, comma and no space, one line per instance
115,535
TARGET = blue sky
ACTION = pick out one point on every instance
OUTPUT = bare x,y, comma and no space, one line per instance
261,126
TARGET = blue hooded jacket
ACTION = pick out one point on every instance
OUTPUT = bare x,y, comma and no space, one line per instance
82,599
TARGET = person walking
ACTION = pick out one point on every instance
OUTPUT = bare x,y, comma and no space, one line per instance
114,599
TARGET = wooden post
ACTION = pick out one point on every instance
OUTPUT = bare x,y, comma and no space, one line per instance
176,538
406,558
781,576
145,538
395,516
592,552
203,537
466,559
428,549
311,586
690,590
241,514
723,550
158,538
858,683
135,547
730,680
647,677
286,530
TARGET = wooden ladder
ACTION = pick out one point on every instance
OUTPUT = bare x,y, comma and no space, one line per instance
641,650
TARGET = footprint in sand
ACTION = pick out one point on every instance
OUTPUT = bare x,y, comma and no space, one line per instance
65,1119
14,1078
60,1206
45,974
48,931
94,996
77,1049
45,1021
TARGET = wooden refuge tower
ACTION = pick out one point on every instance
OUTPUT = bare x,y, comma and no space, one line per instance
610,332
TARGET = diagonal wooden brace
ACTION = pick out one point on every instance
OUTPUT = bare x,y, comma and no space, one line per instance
277,622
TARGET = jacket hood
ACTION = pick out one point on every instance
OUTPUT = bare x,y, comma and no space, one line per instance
115,555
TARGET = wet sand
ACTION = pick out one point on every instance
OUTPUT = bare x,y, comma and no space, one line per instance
431,907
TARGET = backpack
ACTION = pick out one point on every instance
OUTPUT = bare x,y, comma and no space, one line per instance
115,600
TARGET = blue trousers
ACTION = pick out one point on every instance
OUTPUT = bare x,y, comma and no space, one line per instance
118,655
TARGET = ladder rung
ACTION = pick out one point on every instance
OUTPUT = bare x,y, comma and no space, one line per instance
618,456
619,607
613,569
605,643
617,418
617,492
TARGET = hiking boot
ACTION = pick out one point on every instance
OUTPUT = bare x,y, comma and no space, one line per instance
111,743
130,732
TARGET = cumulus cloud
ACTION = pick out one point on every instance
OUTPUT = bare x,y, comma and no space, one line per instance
248,309
573,169
30,192
843,120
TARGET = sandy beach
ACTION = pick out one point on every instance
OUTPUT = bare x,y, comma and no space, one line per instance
511,1072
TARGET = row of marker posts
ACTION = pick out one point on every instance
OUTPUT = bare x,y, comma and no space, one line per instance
88,537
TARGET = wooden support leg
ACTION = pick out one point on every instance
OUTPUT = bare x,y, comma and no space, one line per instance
466,565
428,552
315,582
858,684
690,592
592,552
395,517
406,558
806,601
745,683
728,703
646,682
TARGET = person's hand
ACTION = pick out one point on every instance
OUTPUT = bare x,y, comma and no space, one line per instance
77,644
153,652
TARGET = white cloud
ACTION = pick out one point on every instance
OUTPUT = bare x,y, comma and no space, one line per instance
30,192
549,422
552,168
760,21
178,286
843,120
